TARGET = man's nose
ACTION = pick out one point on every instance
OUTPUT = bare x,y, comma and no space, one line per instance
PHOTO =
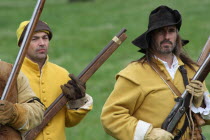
41,41
166,34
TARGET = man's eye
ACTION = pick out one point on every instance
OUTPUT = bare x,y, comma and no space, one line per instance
45,37
159,31
172,30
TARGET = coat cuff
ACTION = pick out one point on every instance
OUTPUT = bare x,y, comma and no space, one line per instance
141,130
205,112
82,103
21,120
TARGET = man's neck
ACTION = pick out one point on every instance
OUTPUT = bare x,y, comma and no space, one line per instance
167,58
40,62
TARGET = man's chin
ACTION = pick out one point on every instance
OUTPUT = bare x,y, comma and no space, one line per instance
166,51
166,45
42,57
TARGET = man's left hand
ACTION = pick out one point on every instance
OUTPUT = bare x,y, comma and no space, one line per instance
8,112
74,89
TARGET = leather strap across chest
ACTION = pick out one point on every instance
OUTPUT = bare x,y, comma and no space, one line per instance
175,91
166,81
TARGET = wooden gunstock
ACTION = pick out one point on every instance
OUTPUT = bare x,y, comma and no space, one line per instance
58,104
198,119
202,57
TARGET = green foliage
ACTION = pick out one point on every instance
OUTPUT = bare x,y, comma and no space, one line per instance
81,29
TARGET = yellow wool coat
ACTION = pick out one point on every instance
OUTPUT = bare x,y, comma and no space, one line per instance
35,110
140,94
46,85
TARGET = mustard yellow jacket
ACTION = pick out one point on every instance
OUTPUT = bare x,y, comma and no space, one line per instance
140,94
46,85
35,110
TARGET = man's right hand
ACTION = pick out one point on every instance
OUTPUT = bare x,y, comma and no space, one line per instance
158,134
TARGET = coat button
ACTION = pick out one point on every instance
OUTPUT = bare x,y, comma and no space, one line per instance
47,132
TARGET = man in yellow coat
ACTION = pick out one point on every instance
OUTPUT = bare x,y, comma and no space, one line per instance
141,99
48,80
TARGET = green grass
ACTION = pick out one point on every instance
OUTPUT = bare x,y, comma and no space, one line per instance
82,29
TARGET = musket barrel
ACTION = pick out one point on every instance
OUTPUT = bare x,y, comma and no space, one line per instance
84,75
23,48
202,72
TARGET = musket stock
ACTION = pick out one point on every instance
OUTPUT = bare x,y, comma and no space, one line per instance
61,100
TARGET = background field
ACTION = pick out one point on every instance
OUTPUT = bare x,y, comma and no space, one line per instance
82,29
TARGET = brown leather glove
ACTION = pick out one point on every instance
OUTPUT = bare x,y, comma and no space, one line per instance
8,112
74,89
196,88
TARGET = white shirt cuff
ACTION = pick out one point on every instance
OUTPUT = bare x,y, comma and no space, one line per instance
78,104
205,112
88,104
141,130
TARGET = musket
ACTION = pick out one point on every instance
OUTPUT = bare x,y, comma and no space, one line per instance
205,51
183,102
23,48
7,131
61,100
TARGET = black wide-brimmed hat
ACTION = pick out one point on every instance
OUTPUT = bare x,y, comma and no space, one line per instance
160,17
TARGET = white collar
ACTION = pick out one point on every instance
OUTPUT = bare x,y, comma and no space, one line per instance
174,63
173,68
